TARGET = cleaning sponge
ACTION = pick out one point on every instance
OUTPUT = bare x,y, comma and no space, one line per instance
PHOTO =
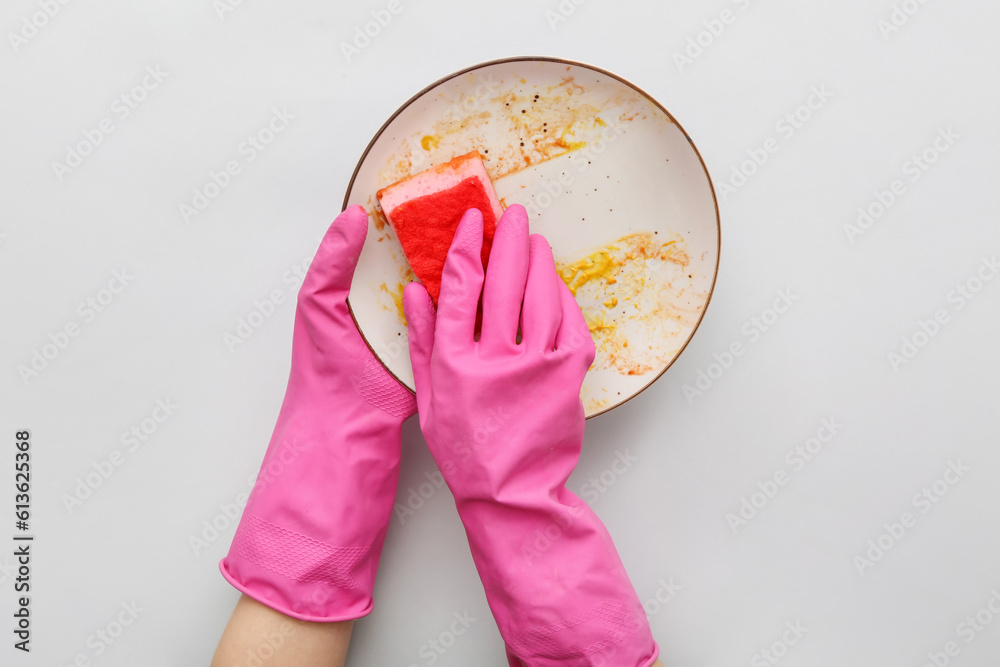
425,209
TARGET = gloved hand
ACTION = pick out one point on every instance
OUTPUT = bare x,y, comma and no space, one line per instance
505,423
312,531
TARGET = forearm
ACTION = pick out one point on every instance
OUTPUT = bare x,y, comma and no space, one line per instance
257,634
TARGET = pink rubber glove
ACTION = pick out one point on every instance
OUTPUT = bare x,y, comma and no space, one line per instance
312,531
505,423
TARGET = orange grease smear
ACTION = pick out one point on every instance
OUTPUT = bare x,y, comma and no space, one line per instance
637,269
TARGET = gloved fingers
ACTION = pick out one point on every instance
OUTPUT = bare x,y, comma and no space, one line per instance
420,317
542,311
505,280
574,334
333,265
462,281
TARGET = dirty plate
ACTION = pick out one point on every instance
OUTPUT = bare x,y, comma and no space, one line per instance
606,174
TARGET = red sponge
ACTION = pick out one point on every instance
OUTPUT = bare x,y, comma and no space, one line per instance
425,209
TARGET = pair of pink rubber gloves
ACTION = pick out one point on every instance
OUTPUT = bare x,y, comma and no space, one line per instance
504,421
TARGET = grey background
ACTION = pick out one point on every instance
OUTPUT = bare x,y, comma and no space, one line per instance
162,337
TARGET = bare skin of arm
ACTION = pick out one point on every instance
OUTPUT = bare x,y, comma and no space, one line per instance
278,640
281,641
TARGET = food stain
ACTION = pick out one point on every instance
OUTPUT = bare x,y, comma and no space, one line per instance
406,275
595,399
598,265
429,141
569,85
652,276
376,214
516,126
396,294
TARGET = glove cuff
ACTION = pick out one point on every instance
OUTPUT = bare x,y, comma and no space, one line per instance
300,576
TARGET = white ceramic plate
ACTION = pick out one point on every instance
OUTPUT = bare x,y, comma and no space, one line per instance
607,175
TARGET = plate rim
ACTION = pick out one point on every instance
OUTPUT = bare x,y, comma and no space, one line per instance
551,59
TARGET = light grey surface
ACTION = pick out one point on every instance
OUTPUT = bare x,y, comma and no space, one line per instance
162,336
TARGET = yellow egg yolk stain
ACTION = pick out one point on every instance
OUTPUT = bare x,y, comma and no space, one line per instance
599,265
429,141
639,269
396,294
